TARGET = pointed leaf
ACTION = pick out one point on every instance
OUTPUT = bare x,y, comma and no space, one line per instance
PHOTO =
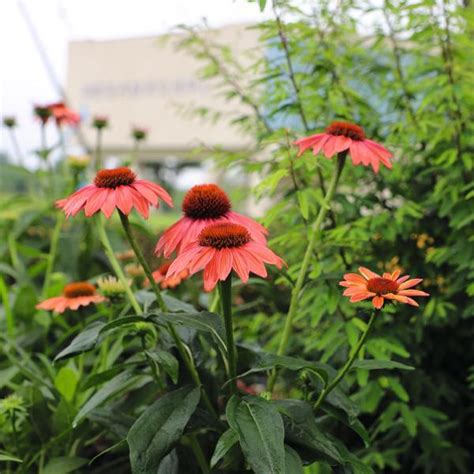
160,426
226,441
83,342
373,364
261,433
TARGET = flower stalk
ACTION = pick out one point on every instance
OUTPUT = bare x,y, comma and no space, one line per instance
116,266
184,353
327,390
295,294
225,293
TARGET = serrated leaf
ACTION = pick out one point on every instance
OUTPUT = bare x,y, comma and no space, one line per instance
160,426
301,430
261,433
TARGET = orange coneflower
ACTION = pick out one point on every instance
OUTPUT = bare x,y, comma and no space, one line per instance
342,136
203,205
389,286
113,189
170,282
74,295
221,248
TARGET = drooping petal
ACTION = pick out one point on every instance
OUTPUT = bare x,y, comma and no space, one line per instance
308,142
124,199
240,265
378,301
95,202
329,148
413,293
139,202
149,194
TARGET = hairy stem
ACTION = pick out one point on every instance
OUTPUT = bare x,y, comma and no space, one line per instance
295,294
326,391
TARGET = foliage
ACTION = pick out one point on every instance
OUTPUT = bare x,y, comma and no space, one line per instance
103,389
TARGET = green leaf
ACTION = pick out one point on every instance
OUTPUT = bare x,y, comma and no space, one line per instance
226,441
373,364
160,426
261,4
66,382
83,342
120,383
9,457
293,463
202,321
409,419
116,323
266,361
301,430
261,433
63,465
25,302
169,464
168,362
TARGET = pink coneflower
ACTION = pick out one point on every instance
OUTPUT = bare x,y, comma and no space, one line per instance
203,205
165,282
342,136
379,288
113,189
221,248
74,295
63,114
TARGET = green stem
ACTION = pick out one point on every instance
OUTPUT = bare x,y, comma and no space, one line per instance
295,294
185,355
98,150
115,265
215,303
225,292
326,391
197,451
138,252
8,312
52,253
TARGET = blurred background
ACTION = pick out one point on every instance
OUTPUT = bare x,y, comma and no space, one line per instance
118,59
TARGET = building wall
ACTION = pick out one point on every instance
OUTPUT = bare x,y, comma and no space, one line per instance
146,82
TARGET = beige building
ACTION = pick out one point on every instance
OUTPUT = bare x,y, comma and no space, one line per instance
148,83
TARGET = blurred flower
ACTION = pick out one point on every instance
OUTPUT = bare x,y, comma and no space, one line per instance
126,255
379,288
135,271
63,114
74,295
79,162
113,189
43,113
100,122
12,403
9,122
139,133
203,205
221,248
342,136
171,282
112,288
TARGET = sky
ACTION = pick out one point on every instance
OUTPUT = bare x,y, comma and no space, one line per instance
24,80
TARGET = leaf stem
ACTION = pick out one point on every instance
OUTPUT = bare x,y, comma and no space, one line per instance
197,450
52,253
326,391
295,294
225,292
